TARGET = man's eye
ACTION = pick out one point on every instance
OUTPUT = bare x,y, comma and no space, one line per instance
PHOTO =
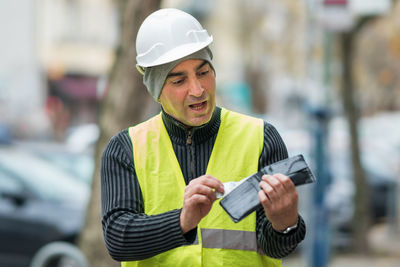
178,81
202,73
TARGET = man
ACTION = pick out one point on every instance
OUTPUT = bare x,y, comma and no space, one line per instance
160,178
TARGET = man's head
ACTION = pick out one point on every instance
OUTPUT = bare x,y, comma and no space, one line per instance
173,55
188,94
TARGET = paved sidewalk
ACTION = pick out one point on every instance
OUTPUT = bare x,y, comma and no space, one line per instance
349,261
385,246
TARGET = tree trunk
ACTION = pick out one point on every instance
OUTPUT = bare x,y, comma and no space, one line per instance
361,216
125,104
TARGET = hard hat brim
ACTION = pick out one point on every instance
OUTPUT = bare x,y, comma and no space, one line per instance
174,54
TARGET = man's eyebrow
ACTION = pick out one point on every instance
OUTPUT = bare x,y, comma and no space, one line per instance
174,74
202,64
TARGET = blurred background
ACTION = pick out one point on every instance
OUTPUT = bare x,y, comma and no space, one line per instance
325,73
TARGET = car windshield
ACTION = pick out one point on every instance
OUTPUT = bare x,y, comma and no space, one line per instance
77,165
44,179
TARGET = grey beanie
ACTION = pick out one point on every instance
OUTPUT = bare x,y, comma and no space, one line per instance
154,77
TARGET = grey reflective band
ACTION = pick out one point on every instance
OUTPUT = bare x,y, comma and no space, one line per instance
229,239
196,241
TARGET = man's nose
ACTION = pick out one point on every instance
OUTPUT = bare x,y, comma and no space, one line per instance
195,87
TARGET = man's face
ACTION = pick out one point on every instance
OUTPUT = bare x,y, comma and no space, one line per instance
188,94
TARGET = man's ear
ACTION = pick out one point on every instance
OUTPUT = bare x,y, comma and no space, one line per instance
159,97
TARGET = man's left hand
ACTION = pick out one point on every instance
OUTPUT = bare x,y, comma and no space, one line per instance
278,196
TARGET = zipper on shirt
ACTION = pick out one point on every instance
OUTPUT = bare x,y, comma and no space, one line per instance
191,150
189,138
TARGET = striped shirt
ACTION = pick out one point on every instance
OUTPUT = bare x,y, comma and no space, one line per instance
131,235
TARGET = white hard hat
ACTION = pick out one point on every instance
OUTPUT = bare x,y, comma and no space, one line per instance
167,35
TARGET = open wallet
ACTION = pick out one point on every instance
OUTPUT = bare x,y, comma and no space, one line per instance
241,198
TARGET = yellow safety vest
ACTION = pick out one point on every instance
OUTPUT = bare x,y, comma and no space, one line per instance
220,241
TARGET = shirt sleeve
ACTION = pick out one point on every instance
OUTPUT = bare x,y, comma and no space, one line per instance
273,243
129,234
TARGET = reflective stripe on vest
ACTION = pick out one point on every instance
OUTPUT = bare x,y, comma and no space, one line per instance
220,241
229,239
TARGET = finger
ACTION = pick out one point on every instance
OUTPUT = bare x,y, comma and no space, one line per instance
213,183
269,191
285,180
200,189
209,181
197,199
289,193
264,199
274,182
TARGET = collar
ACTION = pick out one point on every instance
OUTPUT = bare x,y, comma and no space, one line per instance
179,132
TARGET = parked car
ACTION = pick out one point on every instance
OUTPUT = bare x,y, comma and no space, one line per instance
42,210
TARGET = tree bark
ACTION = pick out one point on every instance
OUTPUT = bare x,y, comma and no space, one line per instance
126,103
361,217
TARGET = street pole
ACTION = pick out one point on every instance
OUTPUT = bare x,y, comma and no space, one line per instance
318,245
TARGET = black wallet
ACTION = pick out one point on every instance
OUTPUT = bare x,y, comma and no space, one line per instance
243,200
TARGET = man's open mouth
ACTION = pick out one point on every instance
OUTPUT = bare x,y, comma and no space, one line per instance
198,106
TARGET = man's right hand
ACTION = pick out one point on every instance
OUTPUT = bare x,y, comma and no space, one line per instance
198,199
